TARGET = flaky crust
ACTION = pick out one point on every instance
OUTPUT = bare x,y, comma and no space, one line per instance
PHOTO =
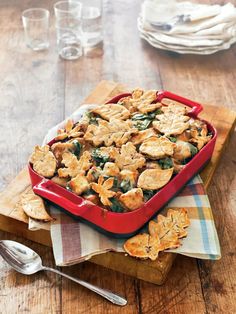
120,155
157,147
153,179
43,160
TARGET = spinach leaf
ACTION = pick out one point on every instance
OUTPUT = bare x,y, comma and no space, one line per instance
89,192
158,111
172,139
142,125
140,116
144,116
95,174
78,147
147,194
193,149
116,206
165,163
121,103
115,182
99,158
185,161
142,120
125,185
152,115
93,119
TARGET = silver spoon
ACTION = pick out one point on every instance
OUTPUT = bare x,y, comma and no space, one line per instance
26,261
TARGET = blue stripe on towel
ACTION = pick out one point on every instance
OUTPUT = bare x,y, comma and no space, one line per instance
203,225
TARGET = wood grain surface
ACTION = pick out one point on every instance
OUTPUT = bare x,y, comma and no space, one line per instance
37,90
154,272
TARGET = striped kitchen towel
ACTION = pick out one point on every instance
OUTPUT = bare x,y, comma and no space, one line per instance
75,241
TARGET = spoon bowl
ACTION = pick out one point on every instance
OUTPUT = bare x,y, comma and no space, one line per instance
28,262
20,257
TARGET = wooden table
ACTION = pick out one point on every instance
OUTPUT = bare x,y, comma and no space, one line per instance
37,90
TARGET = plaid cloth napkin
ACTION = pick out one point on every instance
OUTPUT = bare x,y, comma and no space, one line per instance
74,242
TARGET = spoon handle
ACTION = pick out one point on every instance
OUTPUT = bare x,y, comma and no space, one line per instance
112,297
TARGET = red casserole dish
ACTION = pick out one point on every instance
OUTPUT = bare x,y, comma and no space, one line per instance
126,224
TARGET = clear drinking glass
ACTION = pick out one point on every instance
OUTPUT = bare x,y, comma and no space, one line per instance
36,26
68,27
92,22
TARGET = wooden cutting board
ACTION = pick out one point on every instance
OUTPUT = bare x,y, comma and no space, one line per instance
14,222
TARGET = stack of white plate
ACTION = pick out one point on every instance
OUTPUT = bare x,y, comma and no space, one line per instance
186,27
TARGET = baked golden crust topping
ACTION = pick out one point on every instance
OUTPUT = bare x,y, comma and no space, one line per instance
153,179
129,158
116,132
165,233
103,188
157,147
43,160
112,111
119,155
132,199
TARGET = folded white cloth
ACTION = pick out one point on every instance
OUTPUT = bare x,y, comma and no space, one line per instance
198,17
187,26
163,12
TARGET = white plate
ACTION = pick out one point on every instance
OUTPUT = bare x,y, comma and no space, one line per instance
177,46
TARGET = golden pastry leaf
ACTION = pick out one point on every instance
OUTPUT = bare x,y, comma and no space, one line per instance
112,111
143,246
127,103
43,160
60,148
200,141
34,207
116,132
171,124
129,158
79,184
111,169
103,190
179,217
132,199
137,93
163,230
144,103
153,179
157,147
163,234
73,166
69,131
141,136
171,228
174,108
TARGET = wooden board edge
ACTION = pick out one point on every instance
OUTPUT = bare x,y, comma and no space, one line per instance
146,270
207,180
20,229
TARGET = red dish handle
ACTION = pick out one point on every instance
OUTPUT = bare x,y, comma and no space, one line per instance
196,107
116,98
58,195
